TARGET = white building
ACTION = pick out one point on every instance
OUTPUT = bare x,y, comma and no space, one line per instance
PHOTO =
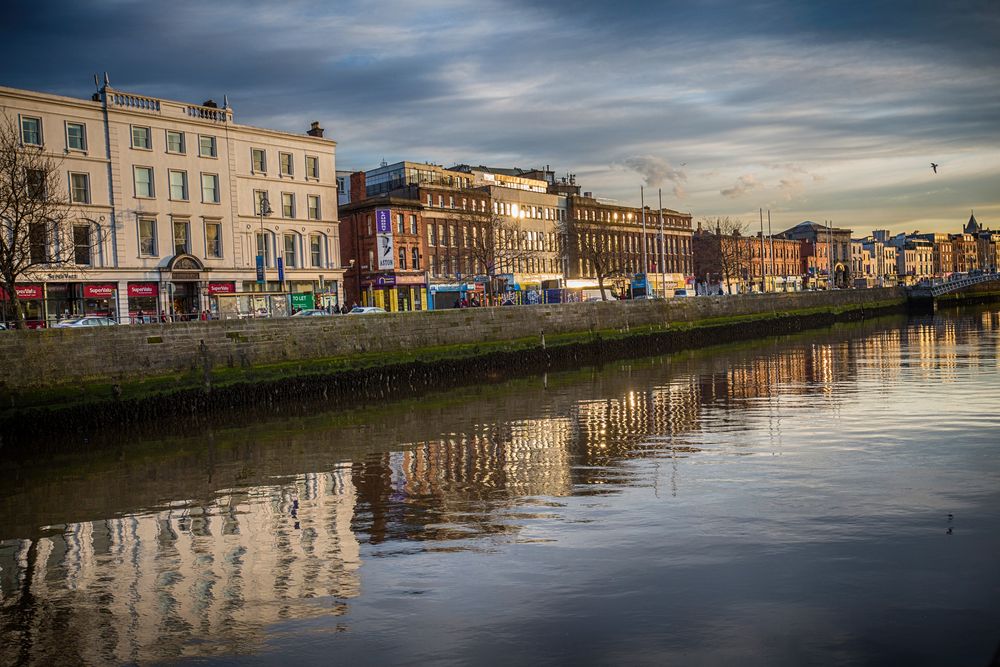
173,192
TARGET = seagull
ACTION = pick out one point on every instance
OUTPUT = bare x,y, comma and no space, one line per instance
934,167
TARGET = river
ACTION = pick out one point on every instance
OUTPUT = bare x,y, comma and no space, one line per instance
826,498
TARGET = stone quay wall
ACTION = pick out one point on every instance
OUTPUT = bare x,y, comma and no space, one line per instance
32,360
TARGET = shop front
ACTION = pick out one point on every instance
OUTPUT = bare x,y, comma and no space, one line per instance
32,300
395,293
219,289
143,302
182,280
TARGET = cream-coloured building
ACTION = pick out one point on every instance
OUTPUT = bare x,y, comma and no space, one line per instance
170,194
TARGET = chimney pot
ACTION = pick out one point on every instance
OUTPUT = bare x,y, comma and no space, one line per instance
210,104
315,130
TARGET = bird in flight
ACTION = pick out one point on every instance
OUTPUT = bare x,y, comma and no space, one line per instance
934,167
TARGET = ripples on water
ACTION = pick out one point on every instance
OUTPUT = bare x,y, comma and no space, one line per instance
827,498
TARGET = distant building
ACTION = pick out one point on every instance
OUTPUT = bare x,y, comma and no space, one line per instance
740,264
826,253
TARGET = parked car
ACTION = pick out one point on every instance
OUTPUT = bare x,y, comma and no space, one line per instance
684,292
648,297
365,310
311,312
84,321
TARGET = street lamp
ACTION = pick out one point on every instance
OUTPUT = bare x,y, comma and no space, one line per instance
263,208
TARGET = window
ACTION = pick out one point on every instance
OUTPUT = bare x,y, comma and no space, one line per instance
416,258
261,204
451,202
76,136
38,241
431,234
210,188
31,130
206,146
287,205
147,237
264,249
258,160
81,245
368,221
315,252
213,239
35,183
141,138
289,250
79,188
182,239
143,181
178,185
428,200
175,142
440,201
402,258
312,167
371,260
285,163
413,224
313,201
400,228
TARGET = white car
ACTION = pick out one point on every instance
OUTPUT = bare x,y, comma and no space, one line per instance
312,312
84,321
365,310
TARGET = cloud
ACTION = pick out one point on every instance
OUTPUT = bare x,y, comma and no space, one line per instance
655,171
744,184
790,188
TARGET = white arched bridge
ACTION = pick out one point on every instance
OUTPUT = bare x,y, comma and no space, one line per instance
936,288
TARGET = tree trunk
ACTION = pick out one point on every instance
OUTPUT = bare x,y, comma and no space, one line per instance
600,285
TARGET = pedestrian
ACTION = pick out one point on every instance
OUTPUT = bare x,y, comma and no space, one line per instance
343,309
138,316
204,316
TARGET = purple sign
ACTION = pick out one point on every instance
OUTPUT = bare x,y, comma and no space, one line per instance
383,221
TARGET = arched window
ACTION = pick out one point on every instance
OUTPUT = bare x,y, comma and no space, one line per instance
402,258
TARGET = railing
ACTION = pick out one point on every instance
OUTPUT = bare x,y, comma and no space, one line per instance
129,101
936,289
207,113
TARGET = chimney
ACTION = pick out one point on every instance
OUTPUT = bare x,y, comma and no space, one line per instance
358,187
588,194
315,130
210,104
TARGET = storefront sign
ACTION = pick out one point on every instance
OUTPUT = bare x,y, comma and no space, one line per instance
303,301
143,289
385,281
184,275
24,292
222,288
99,291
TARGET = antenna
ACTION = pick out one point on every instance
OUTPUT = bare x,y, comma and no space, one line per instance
107,79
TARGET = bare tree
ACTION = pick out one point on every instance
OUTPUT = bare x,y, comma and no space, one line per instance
492,243
34,207
722,247
595,246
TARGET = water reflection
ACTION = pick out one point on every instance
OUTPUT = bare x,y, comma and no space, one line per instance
207,546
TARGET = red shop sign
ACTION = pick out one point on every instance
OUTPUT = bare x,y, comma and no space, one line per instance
222,288
24,292
99,291
143,289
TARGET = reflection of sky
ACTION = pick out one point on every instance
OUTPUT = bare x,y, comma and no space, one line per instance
817,111
786,501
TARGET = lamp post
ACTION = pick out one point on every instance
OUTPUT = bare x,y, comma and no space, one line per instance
263,208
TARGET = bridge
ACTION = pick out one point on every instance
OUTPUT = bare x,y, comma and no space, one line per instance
936,288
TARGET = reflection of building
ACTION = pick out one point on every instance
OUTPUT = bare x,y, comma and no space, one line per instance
186,581
165,196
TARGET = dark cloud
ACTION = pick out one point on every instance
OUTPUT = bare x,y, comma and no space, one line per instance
586,86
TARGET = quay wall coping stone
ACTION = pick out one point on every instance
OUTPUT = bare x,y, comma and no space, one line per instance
58,357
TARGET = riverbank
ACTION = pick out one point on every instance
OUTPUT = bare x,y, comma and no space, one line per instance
486,348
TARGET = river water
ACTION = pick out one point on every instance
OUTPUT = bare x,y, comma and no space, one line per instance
826,498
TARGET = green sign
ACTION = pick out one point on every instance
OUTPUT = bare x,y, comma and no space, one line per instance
303,301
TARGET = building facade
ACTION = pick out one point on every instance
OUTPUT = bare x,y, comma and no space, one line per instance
737,264
173,195
826,254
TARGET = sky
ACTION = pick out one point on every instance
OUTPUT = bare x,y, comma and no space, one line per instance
821,111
